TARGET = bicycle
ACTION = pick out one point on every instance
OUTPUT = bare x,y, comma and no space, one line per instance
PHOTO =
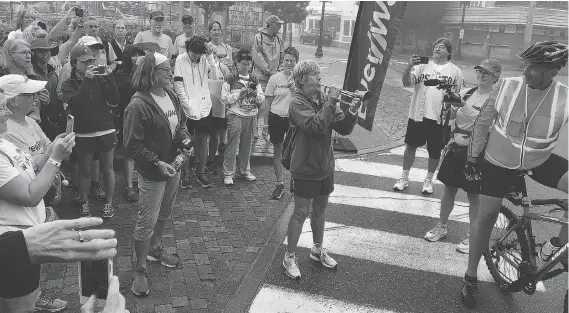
514,247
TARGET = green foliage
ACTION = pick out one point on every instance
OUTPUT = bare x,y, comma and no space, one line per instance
209,7
284,10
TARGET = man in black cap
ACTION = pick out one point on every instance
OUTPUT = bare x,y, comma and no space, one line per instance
154,34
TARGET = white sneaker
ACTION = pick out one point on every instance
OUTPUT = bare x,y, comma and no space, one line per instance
248,177
290,263
228,181
437,233
321,255
428,186
464,245
401,184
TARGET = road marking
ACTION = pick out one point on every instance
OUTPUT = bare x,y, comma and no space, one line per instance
380,170
395,202
393,249
279,299
421,152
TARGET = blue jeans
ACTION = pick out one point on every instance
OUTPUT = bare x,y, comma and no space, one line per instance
155,202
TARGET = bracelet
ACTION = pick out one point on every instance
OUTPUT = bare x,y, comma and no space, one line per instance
54,162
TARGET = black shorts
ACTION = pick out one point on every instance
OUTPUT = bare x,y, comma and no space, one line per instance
202,126
20,280
451,172
498,181
103,143
278,126
310,189
426,132
218,123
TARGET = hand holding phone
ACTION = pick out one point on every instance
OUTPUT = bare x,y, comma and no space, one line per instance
78,12
94,280
424,60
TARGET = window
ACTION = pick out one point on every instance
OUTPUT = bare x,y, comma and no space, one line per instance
348,28
502,28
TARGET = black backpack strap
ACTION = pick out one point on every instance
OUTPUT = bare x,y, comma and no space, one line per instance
106,45
469,93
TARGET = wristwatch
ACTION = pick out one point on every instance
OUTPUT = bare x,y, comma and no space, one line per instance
54,162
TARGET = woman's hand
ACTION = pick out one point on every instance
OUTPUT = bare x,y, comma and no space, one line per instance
166,169
58,241
62,147
43,96
355,105
115,302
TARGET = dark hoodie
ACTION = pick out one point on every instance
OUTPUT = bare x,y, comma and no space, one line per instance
147,135
312,157
91,101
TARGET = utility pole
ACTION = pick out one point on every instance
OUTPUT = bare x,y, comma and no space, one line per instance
529,25
319,53
182,11
461,31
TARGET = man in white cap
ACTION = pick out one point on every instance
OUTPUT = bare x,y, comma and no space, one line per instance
19,94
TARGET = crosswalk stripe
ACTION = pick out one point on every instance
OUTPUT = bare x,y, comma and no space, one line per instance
395,202
380,170
393,249
421,152
278,299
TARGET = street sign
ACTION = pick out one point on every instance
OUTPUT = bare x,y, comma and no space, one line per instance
461,36
245,13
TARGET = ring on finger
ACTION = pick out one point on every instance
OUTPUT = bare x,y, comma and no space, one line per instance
81,238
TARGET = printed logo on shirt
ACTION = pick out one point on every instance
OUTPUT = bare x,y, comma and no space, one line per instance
36,147
171,113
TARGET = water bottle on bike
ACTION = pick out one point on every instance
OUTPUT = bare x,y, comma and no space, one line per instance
549,248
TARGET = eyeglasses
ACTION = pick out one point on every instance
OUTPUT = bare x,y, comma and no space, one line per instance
483,73
440,47
25,53
188,23
288,61
158,19
94,26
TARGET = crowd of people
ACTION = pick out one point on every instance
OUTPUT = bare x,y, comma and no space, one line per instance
209,103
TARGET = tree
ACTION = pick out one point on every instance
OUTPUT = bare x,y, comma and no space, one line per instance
421,15
288,11
209,7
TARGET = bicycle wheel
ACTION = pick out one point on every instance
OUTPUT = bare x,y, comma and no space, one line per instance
507,241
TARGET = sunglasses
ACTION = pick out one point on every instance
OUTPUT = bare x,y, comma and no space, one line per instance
159,19
188,23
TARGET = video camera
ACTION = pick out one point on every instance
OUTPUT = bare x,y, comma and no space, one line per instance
450,96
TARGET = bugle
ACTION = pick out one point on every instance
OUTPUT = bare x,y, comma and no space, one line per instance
344,96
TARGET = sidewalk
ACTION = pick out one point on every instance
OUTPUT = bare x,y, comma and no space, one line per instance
217,233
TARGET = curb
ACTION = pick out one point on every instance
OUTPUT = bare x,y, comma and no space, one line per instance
250,284
248,287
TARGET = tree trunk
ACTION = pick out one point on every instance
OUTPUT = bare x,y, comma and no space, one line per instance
417,40
284,29
206,16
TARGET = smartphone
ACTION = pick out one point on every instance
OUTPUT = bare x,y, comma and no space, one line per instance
78,12
424,60
253,86
101,69
70,124
94,278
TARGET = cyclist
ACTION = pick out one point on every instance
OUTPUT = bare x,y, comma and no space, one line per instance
523,122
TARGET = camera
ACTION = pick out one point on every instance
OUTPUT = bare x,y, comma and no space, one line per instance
252,85
101,69
450,96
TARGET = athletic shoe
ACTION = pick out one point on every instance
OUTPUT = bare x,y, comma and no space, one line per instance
464,244
401,184
428,186
321,255
278,192
140,283
203,181
228,181
158,254
290,264
469,292
185,181
85,210
108,210
437,233
98,193
130,194
47,303
248,176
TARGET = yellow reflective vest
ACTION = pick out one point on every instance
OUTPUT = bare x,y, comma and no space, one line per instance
520,139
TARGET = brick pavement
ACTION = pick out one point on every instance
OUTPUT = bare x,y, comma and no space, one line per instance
216,232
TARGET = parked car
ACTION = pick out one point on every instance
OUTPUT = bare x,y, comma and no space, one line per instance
313,36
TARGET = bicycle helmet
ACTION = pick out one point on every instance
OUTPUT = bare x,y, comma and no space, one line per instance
551,52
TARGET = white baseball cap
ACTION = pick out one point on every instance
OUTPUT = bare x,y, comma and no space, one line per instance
89,41
12,85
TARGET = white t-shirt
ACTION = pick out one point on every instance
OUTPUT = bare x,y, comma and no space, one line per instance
466,116
164,41
427,101
13,163
29,138
279,88
165,103
180,44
